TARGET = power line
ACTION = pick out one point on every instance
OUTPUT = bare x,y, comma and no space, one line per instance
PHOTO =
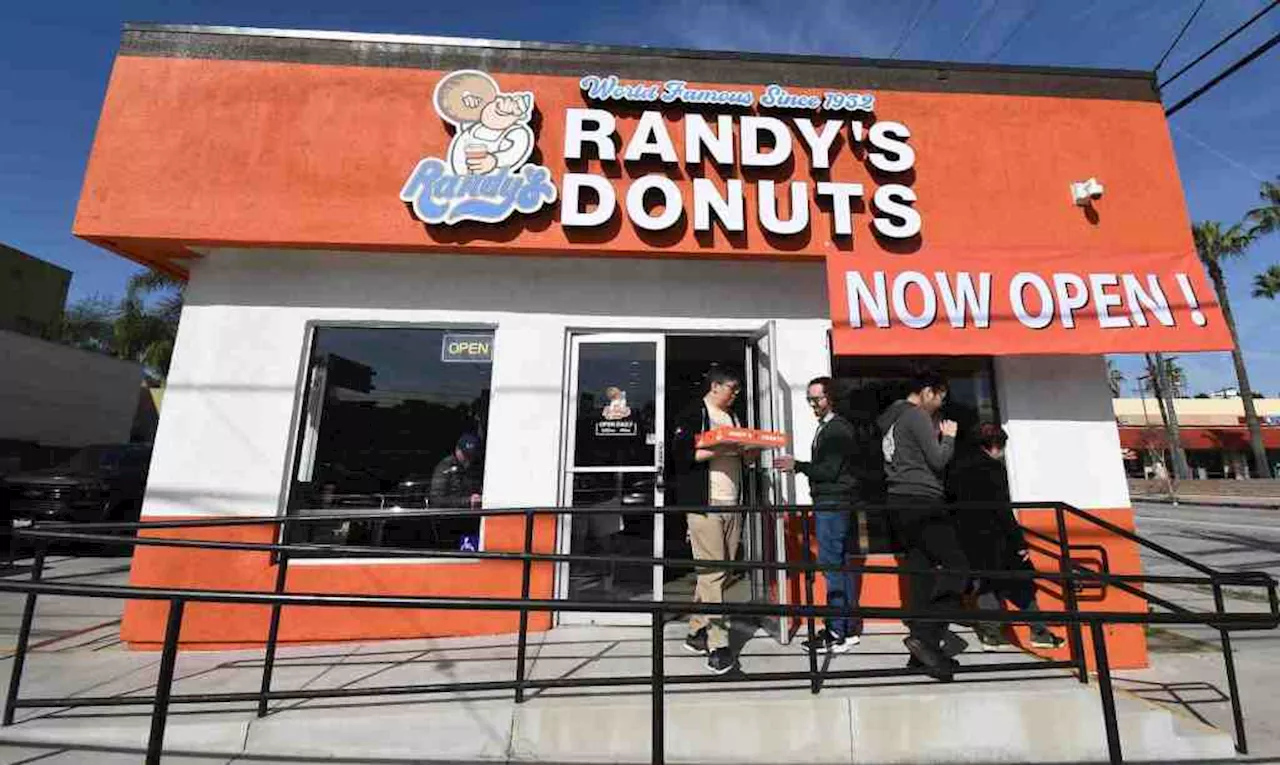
982,13
1018,28
925,8
1221,42
1178,39
1237,66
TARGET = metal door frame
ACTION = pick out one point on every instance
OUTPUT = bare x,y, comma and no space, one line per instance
564,525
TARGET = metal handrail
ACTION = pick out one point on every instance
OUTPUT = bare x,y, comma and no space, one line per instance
1069,575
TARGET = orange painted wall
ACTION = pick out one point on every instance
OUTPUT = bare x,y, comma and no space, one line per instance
1126,644
219,626
292,155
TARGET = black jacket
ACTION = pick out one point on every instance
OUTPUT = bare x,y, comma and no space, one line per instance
831,470
691,480
452,484
991,538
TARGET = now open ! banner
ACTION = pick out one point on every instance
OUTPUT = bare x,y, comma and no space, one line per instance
1017,302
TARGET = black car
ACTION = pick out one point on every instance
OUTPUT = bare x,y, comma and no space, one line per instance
97,483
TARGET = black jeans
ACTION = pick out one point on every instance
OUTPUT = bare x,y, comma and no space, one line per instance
926,533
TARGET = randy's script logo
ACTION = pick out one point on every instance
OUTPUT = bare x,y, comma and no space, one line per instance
485,177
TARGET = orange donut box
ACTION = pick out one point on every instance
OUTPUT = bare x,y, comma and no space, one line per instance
762,439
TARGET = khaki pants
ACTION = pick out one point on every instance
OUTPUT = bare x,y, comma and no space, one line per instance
713,536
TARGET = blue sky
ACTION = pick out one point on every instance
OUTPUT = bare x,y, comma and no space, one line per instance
56,58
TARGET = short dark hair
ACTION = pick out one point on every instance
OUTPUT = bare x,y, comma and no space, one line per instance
828,385
991,435
928,379
722,376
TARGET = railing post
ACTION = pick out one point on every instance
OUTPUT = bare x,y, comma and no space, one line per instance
658,747
814,684
273,634
1228,659
164,684
1075,639
1105,691
526,574
24,636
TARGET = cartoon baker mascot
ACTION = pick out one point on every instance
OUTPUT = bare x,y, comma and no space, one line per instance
492,127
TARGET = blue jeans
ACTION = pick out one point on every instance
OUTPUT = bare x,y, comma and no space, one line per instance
835,545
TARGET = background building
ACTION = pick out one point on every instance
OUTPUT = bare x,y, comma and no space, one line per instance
1212,431
32,293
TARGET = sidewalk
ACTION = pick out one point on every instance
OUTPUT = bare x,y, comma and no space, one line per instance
1043,715
1261,503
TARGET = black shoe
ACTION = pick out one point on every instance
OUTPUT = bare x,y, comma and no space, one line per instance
696,642
933,660
953,645
1043,638
991,639
826,641
721,661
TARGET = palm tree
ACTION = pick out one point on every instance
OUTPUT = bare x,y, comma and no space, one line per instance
147,333
1266,219
1267,283
1215,244
1158,377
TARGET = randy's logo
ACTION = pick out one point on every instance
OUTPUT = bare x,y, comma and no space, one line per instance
485,177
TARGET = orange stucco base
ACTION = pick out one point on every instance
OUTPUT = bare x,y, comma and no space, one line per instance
1126,644
216,626
213,626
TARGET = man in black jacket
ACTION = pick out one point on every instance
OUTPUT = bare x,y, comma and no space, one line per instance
832,485
915,460
710,477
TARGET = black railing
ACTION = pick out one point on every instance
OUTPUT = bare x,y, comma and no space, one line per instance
1070,577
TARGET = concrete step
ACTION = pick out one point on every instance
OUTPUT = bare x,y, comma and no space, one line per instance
1041,716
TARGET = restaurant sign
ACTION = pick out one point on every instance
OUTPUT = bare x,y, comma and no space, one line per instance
486,177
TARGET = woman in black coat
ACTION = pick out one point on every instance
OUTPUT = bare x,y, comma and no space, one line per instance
991,537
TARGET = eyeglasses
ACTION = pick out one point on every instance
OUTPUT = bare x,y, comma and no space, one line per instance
815,399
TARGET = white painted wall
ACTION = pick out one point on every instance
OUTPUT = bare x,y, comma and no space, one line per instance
1063,441
225,433
61,396
226,428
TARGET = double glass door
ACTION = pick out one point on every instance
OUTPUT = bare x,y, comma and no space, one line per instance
618,428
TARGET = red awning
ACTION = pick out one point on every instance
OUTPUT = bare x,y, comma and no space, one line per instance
1230,437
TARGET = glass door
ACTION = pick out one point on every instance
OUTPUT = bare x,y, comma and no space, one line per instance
765,539
614,463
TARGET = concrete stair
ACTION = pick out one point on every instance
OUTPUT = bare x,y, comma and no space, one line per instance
1041,716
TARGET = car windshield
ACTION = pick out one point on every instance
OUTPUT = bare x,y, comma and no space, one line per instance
94,458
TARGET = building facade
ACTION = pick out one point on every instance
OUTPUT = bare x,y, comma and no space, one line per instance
398,244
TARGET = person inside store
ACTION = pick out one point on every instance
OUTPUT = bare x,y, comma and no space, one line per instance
832,485
992,538
915,462
458,478
708,478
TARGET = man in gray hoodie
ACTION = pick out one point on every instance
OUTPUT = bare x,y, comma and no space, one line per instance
915,460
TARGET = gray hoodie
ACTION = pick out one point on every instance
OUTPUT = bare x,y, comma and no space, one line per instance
914,457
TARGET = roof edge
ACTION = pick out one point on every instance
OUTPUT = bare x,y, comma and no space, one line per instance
630,50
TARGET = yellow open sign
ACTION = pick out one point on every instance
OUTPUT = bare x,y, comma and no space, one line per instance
469,348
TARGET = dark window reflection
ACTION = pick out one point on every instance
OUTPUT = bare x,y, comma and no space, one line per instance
388,424
867,385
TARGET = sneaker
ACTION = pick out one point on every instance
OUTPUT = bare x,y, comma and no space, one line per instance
953,645
696,642
991,639
1045,639
721,661
826,641
933,661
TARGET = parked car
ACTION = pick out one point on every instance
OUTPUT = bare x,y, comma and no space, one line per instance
97,483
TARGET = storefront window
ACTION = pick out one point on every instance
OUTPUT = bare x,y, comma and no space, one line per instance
394,420
867,385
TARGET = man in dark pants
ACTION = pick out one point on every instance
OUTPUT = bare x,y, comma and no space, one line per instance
832,485
992,538
915,461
